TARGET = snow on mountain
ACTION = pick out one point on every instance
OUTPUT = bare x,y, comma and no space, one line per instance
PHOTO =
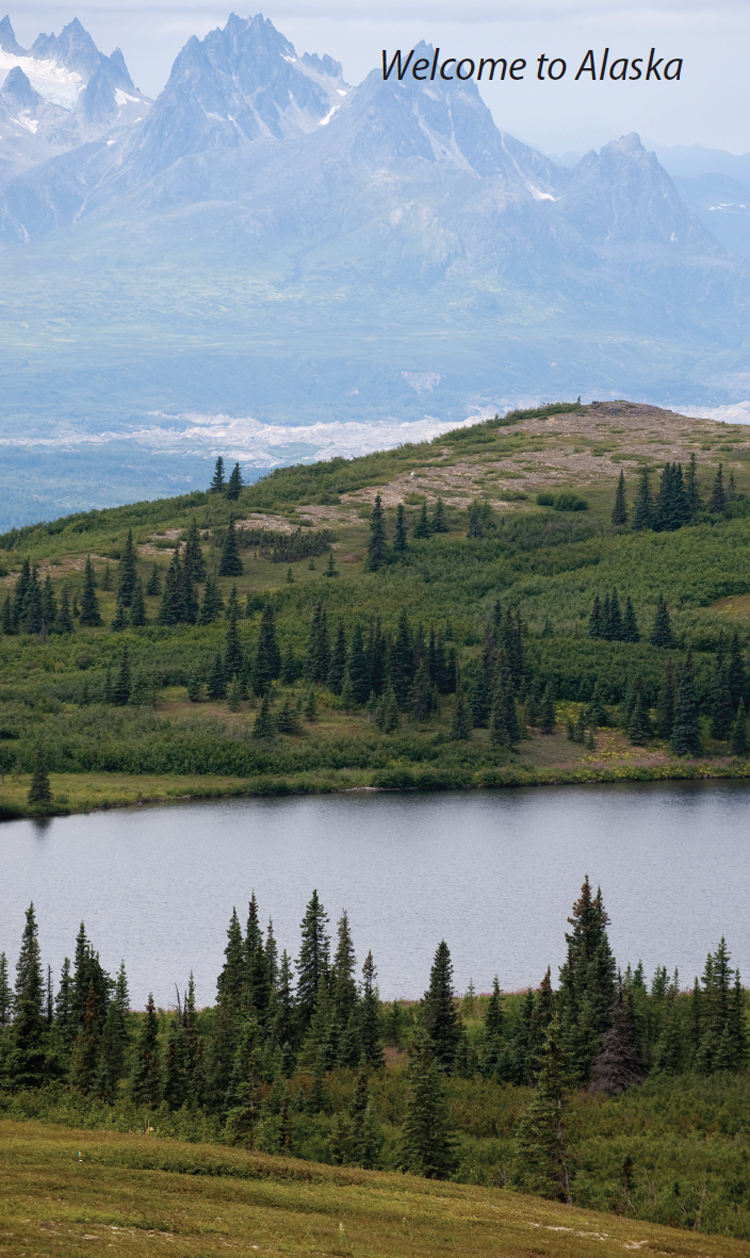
238,85
71,92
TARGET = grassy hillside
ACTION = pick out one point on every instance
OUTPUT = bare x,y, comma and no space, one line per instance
69,1193
538,562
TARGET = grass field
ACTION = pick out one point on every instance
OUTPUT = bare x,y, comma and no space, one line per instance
72,1193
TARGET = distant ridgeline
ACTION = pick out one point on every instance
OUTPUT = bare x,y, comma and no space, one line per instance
412,645
302,1057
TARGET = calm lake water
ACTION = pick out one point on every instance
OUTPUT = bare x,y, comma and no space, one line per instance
494,873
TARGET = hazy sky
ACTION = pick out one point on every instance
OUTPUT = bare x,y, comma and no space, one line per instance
710,106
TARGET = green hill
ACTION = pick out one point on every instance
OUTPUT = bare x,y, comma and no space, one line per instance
388,676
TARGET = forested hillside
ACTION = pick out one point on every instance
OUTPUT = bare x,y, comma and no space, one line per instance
556,595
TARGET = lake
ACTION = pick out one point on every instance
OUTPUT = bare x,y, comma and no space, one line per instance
495,873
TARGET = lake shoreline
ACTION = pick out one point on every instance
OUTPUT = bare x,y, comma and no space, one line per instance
100,793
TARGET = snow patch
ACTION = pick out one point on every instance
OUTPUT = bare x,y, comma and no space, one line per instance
30,124
325,121
419,380
122,98
52,81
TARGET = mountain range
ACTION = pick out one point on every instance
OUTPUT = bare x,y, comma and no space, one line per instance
265,244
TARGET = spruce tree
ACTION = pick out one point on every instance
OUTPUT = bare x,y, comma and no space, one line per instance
541,1160
722,713
643,509
718,501
87,1047
49,603
232,981
217,686
318,660
264,725
138,607
596,620
6,994
376,546
661,633
386,713
176,1084
172,608
686,739
218,484
400,543
548,715
357,667
372,1054
613,626
20,591
145,1079
665,706
428,1145
311,707
618,1065
128,574
267,663
120,618
234,484
34,618
7,620
123,681
337,667
737,676
313,963
692,489
492,1033
740,733
438,522
153,585
193,560
461,719
64,622
422,528
343,984
587,981
26,1065
230,564
89,614
440,1018
212,602
620,509
420,701
233,652
629,623
40,792
639,725
331,570
401,662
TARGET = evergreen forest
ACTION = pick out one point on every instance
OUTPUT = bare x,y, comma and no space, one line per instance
608,1089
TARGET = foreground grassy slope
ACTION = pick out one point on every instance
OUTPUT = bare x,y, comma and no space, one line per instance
68,1193
544,564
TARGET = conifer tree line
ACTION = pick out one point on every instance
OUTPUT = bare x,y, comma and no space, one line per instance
229,487
284,1035
676,502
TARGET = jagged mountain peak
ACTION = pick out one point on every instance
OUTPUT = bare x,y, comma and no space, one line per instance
73,48
18,90
622,195
244,82
8,41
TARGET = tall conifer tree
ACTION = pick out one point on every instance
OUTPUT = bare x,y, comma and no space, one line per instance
376,546
230,564
620,509
90,614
